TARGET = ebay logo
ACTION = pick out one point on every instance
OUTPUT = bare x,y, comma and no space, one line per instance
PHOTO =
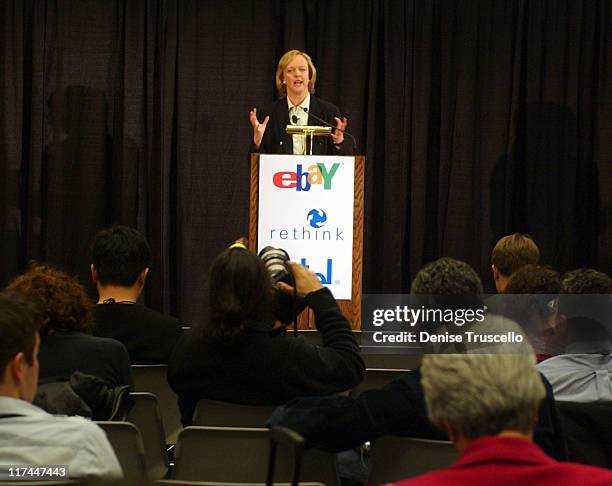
303,180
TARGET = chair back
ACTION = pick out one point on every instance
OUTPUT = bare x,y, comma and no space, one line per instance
146,417
126,441
394,458
587,428
224,414
153,379
240,455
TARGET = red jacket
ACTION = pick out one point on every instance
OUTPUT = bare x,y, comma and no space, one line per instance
510,461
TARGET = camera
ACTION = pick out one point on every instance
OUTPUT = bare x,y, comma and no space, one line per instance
275,261
287,307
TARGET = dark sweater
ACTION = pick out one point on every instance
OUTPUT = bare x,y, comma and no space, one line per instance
263,367
339,423
148,335
64,353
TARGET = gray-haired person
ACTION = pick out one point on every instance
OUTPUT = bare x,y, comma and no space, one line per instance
488,405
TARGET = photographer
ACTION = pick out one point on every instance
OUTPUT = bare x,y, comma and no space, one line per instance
238,356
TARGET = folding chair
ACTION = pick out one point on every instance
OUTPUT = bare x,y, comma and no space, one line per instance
126,441
146,417
223,414
394,458
238,455
153,379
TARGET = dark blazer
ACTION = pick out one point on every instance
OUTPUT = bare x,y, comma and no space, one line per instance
65,352
277,141
339,423
148,335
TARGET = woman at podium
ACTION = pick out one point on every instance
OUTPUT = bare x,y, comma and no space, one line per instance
295,81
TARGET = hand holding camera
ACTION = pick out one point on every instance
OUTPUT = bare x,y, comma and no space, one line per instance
305,281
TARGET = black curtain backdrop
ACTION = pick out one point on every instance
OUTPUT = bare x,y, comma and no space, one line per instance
477,119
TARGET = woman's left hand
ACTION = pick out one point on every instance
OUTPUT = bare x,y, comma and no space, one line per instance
338,134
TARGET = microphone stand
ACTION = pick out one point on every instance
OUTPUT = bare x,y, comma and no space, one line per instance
334,127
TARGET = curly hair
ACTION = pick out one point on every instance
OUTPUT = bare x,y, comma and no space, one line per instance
586,281
62,300
446,276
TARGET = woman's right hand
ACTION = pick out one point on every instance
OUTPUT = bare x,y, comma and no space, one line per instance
258,128
305,281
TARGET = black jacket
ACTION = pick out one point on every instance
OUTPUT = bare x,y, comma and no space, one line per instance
65,352
148,335
263,367
277,141
339,423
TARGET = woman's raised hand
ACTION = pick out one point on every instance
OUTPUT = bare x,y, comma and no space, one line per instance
258,128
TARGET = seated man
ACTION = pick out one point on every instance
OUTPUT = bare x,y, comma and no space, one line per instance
121,259
583,373
339,423
30,436
488,403
511,253
528,300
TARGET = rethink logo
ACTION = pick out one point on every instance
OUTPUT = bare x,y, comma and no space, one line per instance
303,180
316,218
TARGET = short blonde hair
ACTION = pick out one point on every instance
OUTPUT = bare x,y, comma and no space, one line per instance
282,64
483,394
513,252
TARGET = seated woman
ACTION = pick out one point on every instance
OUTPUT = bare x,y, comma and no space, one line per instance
239,357
66,343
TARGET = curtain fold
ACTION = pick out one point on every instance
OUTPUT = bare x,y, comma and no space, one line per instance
477,119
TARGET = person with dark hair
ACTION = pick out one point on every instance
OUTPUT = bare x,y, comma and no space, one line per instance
120,264
510,254
583,373
295,79
340,423
66,342
530,300
30,436
238,356
446,276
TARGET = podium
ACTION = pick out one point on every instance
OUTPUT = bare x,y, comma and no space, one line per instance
313,217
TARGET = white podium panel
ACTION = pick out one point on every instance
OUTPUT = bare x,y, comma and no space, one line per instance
306,208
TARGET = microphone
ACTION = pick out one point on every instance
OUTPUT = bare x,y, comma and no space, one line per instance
326,123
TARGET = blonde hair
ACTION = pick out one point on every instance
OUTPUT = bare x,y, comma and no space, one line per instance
513,252
282,64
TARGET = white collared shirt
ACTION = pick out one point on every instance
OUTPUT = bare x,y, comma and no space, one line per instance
300,111
35,437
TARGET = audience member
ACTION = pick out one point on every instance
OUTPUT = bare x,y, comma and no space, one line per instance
239,357
511,253
120,265
66,342
530,300
339,423
30,436
583,373
488,404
